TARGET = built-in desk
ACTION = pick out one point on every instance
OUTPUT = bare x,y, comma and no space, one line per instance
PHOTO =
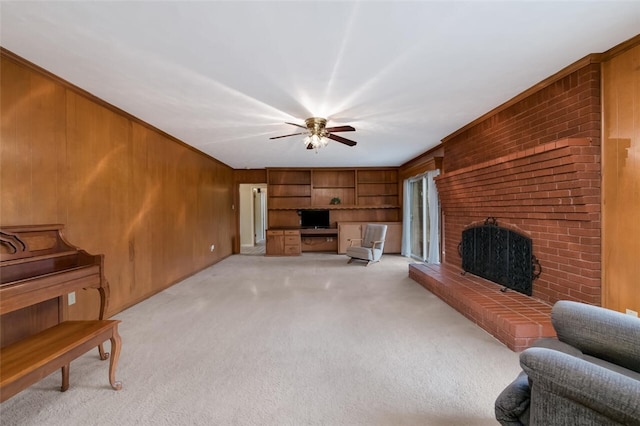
292,241
319,239
313,232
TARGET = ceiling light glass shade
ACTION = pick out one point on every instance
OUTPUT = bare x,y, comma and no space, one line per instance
317,136
315,141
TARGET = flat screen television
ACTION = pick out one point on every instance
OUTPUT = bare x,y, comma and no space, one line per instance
314,219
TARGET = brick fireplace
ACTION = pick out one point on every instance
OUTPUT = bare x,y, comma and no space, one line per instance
534,165
549,193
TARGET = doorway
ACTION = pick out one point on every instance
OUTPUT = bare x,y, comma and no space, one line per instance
253,218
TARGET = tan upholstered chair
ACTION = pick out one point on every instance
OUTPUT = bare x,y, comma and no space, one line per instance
371,245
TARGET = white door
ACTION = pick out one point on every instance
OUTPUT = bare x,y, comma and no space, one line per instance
259,211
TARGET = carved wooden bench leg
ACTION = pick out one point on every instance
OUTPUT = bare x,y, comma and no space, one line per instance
115,354
103,355
65,378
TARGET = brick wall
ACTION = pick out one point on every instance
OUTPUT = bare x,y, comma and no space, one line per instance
568,108
535,166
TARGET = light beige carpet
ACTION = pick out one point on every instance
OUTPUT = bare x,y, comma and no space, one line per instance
303,340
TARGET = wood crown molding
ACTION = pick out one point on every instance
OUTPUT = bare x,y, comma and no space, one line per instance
423,158
621,48
7,54
593,58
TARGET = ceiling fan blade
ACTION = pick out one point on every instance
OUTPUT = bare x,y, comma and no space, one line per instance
286,136
342,140
340,129
297,125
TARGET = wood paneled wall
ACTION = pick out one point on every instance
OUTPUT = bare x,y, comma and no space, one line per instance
250,176
150,204
621,180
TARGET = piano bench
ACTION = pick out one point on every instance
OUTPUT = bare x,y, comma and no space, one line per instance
27,361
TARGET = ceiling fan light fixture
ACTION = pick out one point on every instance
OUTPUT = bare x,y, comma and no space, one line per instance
317,137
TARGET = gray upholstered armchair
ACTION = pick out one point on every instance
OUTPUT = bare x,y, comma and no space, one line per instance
371,245
589,375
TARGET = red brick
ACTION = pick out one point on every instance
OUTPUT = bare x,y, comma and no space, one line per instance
494,167
513,318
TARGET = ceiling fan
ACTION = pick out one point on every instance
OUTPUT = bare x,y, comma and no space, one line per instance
318,134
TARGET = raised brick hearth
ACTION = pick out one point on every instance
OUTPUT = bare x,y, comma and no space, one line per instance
513,318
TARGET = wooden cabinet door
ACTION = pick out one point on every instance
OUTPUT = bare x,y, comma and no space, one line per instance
347,231
275,243
393,240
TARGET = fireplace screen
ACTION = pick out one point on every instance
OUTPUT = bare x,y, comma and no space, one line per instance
499,255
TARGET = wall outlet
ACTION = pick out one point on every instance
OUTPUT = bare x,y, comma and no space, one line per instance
213,247
71,298
632,313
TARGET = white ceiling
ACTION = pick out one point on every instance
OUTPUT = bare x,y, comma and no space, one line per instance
224,76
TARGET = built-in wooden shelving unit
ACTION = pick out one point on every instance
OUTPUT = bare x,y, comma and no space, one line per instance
329,184
289,189
366,194
378,187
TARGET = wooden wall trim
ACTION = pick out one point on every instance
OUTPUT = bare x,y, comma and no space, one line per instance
589,59
621,48
363,168
620,241
430,160
419,159
592,58
9,55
